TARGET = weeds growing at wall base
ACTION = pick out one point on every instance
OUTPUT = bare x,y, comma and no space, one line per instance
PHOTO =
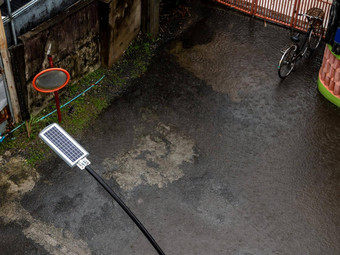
80,113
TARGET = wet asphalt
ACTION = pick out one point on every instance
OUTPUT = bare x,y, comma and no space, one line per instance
229,158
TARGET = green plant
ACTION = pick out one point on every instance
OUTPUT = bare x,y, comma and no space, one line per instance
36,154
99,103
73,88
80,113
29,124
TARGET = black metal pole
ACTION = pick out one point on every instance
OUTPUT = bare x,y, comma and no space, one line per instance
126,209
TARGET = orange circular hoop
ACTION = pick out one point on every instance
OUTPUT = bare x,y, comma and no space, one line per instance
58,86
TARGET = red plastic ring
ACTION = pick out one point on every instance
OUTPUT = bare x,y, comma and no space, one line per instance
48,70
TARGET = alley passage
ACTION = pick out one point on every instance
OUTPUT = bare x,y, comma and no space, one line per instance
210,149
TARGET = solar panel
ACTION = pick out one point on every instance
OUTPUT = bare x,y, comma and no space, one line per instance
63,144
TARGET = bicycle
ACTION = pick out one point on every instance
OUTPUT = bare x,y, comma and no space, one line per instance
298,50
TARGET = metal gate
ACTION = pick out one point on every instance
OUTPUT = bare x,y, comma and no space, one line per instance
284,12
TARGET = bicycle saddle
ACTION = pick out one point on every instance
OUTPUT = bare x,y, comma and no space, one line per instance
296,37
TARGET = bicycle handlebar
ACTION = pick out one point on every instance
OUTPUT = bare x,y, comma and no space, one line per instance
309,16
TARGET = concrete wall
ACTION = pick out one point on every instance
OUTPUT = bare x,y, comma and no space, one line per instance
121,27
83,37
39,12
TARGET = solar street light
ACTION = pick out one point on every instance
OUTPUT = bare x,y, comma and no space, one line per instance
75,155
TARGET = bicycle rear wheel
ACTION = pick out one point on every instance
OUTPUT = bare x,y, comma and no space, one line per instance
315,36
287,62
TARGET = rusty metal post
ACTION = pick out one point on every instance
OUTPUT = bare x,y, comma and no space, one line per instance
253,7
295,13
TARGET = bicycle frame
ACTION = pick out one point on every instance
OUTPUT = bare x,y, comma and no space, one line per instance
302,46
299,47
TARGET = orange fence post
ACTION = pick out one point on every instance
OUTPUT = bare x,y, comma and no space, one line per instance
294,14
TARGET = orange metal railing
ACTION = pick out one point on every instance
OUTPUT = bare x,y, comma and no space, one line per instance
241,5
284,12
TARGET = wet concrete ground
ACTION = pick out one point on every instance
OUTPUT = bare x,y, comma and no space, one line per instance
210,149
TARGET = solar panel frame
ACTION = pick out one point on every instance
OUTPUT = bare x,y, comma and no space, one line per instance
63,144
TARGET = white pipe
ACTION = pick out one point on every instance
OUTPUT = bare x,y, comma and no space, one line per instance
18,12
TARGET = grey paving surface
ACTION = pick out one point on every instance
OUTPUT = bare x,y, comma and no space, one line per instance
210,149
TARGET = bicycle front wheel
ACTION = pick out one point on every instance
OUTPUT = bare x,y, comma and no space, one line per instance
315,36
287,62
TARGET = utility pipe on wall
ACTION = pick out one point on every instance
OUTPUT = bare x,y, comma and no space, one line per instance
14,34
